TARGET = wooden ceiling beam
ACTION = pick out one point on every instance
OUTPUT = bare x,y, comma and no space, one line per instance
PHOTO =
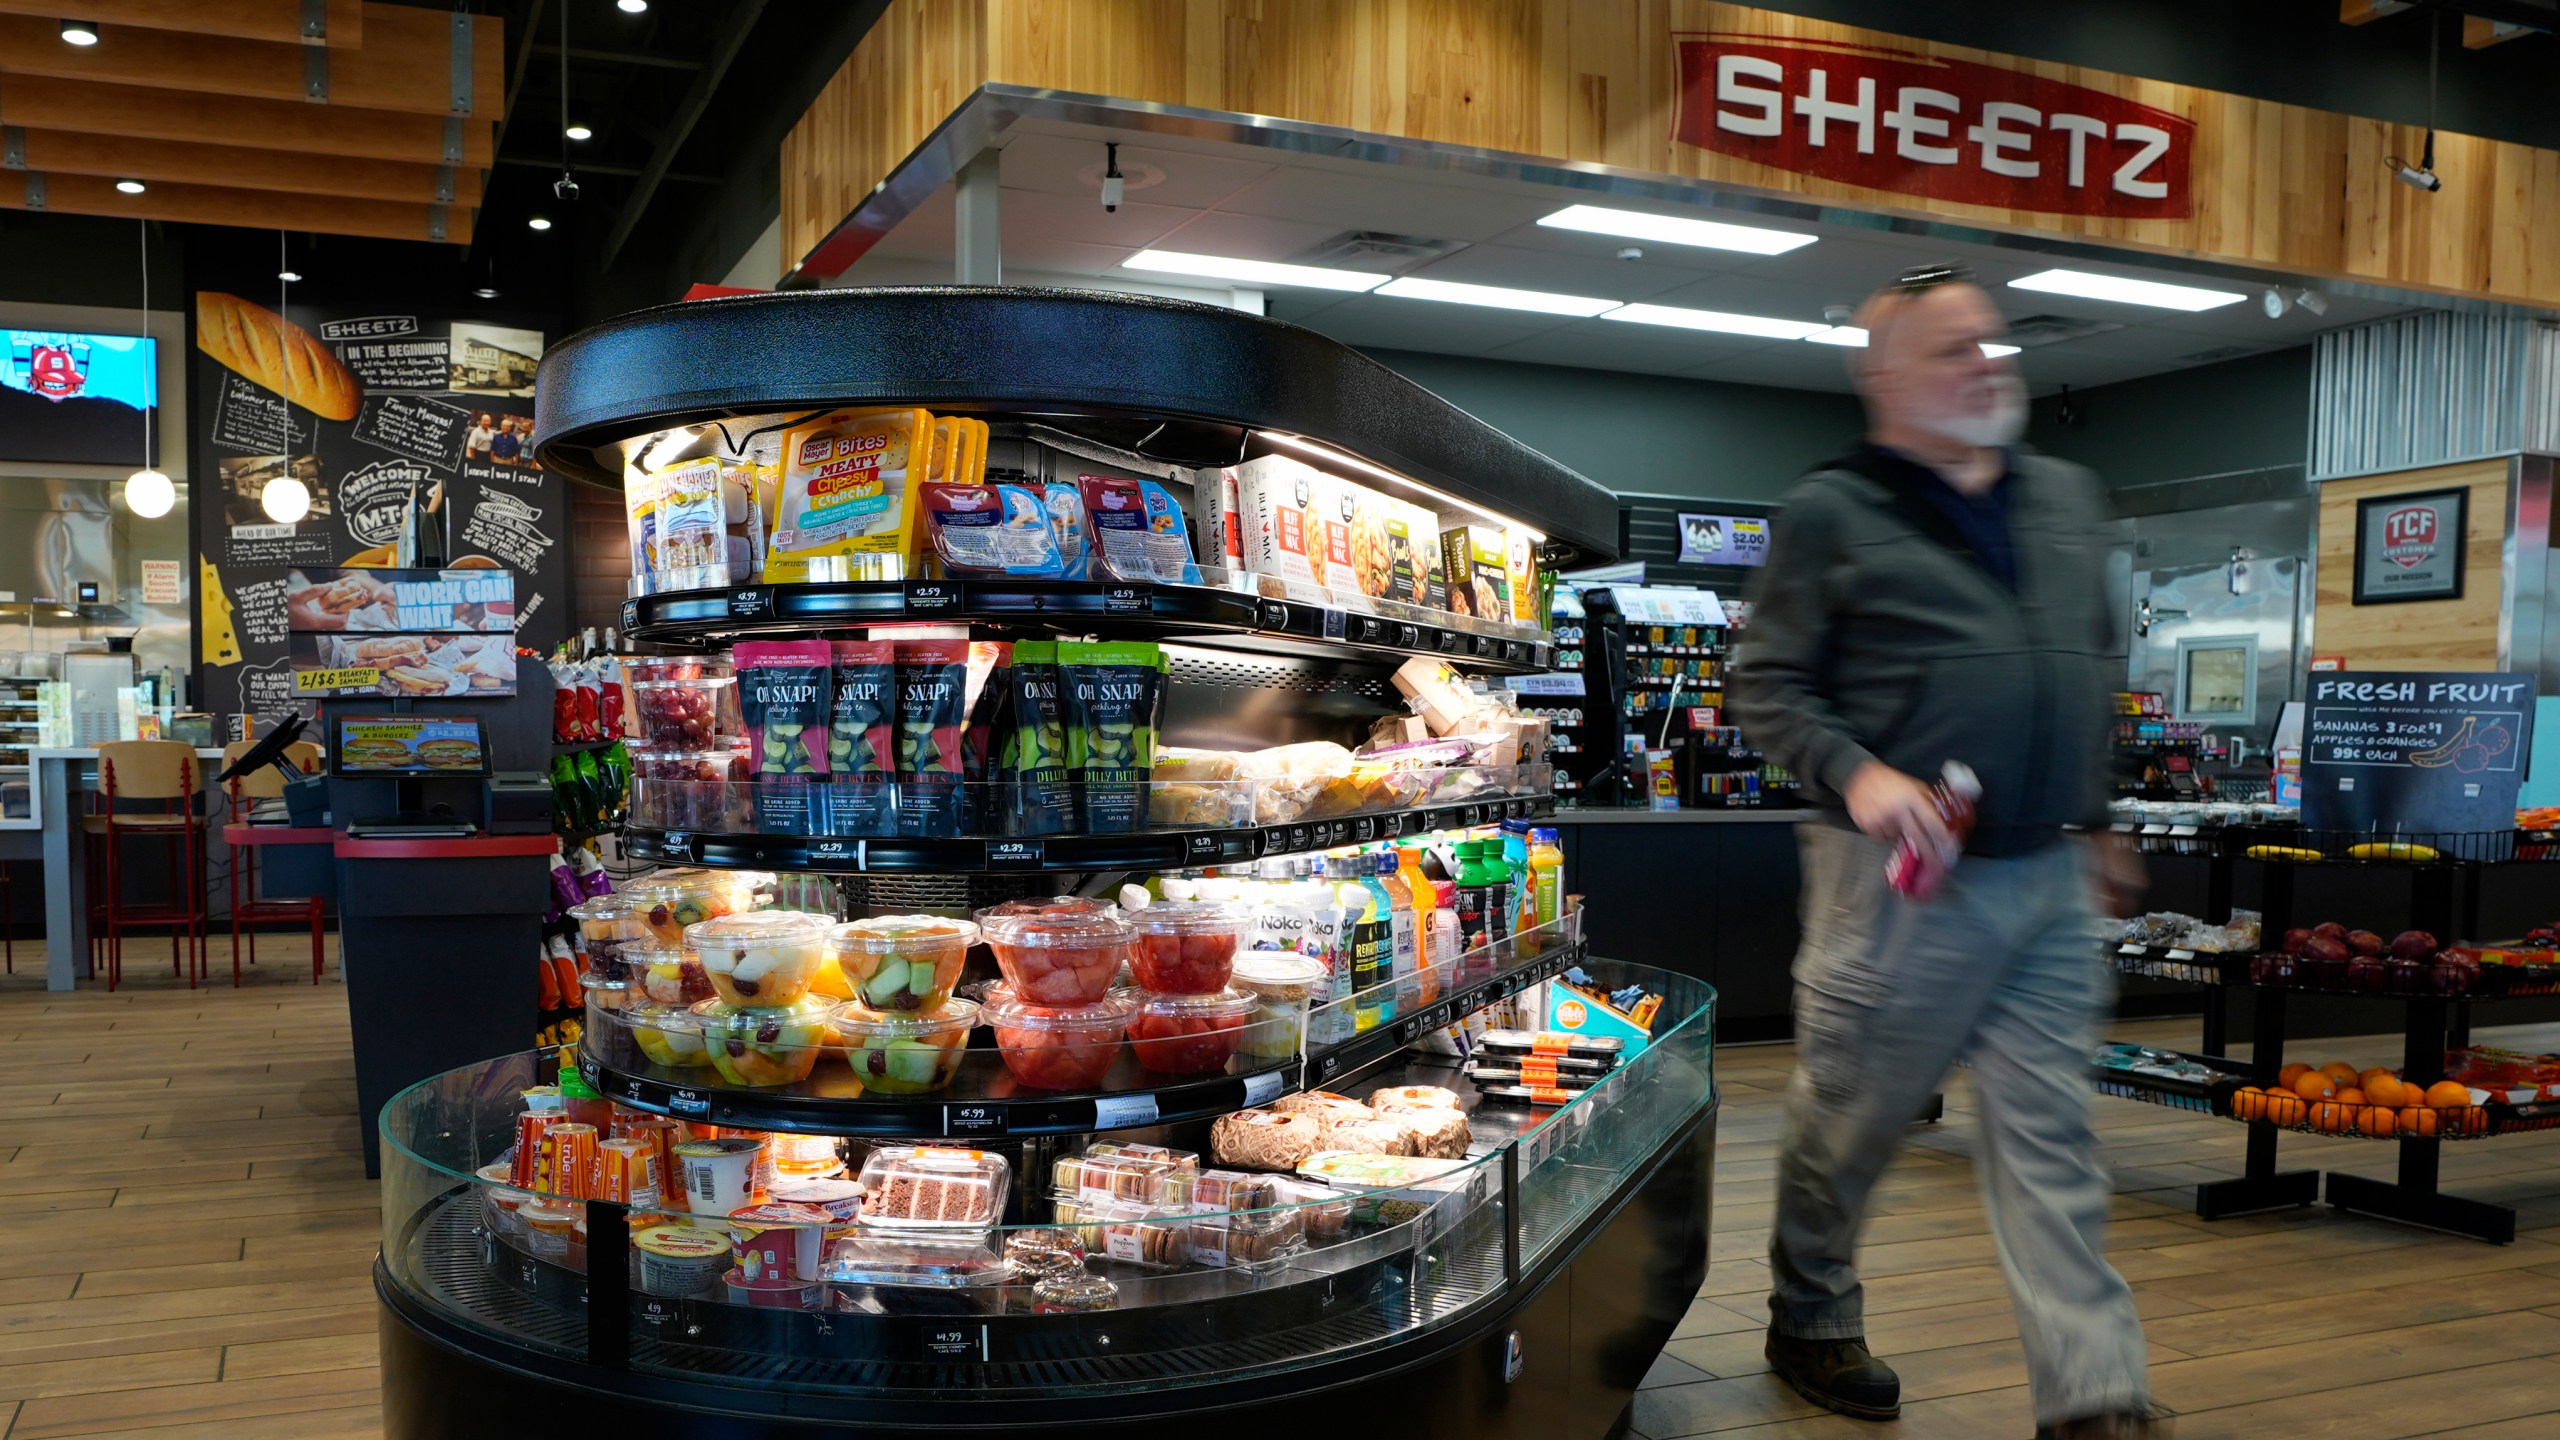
149,114
409,66
237,167
250,209
2359,12
278,22
2479,32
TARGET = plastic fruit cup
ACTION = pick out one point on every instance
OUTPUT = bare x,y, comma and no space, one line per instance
672,905
901,962
1059,1047
668,974
1189,1034
907,1052
686,714
762,959
668,1035
1060,954
640,669
1186,947
1282,987
763,1047
696,789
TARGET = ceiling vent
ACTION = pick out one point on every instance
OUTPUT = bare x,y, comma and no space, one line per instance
2219,352
2054,329
1375,250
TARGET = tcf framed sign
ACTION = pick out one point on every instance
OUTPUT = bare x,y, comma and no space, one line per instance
2409,547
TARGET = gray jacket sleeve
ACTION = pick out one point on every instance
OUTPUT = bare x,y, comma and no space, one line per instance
1781,671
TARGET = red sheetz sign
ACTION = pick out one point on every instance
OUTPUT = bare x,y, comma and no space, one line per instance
1920,125
2409,536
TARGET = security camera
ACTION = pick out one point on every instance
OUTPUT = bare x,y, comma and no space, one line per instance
1112,182
1111,186
1837,315
1631,253
565,188
2416,178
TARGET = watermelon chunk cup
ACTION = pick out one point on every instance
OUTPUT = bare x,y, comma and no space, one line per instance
764,958
1186,947
1067,952
1059,1047
764,1047
1189,1034
894,963
905,1052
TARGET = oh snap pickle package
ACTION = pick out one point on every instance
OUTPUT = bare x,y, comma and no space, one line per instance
1113,693
861,739
786,691
933,701
1031,756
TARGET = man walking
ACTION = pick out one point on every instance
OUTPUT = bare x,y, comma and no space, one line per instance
1939,596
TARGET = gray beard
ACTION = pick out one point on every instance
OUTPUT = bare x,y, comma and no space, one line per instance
2006,421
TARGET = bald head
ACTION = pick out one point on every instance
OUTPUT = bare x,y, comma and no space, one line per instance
1923,371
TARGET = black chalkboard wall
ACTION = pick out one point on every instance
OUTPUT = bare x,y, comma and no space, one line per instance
383,403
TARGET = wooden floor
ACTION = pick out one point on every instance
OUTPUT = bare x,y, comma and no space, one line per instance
186,1238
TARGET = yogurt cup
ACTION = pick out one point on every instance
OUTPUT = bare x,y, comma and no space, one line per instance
679,1259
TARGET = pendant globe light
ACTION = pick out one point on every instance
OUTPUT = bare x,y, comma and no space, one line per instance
285,499
147,492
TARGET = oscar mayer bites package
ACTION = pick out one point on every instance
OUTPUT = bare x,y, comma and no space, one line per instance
1040,795
847,508
1281,528
1066,522
786,693
933,689
1113,689
1479,567
1138,531
991,530
861,739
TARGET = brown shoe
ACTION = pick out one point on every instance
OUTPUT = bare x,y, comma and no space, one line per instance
1837,1375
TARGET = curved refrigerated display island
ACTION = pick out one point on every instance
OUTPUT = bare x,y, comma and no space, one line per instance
1121,665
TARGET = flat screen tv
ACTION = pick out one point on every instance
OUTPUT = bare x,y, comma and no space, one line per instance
77,399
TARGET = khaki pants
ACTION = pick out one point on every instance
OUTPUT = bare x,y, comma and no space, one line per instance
2001,969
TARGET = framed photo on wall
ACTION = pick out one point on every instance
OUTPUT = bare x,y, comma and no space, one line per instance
2409,547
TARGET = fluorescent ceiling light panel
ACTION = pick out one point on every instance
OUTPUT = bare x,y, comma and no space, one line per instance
1496,297
2088,286
1256,272
1849,335
1716,320
1671,230
1996,351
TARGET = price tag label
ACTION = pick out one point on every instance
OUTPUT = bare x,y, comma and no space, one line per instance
2182,954
1324,1067
972,1120
1336,624
1015,855
1262,1089
1364,829
587,1065
1408,636
1515,653
1451,642
689,1102
750,604
1275,615
630,615
1301,836
675,845
1373,631
2128,949
1122,1112
955,1343
830,852
932,597
1485,645
1125,600
1274,841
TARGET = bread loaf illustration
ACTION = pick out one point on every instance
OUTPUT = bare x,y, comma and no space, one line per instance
276,353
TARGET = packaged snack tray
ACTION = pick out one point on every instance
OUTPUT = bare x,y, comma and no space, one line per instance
933,1187
1605,1048
943,1261
847,507
1263,1139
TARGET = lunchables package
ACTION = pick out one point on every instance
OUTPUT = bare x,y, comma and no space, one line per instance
991,530
847,509
694,525
1067,524
1138,530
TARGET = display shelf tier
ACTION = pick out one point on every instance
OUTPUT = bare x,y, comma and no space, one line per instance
2225,1096
1298,624
2187,967
2379,981
1055,854
1193,385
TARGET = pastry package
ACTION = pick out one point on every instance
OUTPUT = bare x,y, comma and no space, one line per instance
1189,788
941,1261
1138,530
1263,1139
1037,789
1323,1212
1151,1237
1289,778
847,506
932,699
1374,1135
933,1186
1217,1237
786,690
1114,691
991,530
1321,1100
1234,1190
1099,1175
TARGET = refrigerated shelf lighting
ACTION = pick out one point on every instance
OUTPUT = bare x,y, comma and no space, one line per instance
1332,456
1671,230
79,32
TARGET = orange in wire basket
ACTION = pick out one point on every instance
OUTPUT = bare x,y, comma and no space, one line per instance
2378,1122
2449,1095
2385,1089
2315,1086
2286,1109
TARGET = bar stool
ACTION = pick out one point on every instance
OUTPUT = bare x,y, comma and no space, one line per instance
266,784
162,770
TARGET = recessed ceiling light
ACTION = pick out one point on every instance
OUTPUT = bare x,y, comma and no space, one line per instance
487,292
79,32
130,187
631,7
1496,297
1671,230
1716,320
289,276
1257,272
579,132
538,222
2088,286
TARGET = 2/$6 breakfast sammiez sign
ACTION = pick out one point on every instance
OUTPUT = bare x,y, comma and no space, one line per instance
1944,129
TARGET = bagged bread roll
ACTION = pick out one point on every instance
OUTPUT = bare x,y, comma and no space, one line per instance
1434,1131
276,353
1263,1140
1375,1135
1320,1100
1406,1096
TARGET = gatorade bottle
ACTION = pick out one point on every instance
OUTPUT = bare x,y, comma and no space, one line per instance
1426,904
1546,884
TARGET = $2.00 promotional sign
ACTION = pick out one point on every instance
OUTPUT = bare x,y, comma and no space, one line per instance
2415,752
413,434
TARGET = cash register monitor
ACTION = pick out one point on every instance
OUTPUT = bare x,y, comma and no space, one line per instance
409,749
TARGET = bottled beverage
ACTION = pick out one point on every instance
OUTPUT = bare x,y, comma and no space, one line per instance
1508,852
1474,894
1546,882
1366,936
1916,874
1414,987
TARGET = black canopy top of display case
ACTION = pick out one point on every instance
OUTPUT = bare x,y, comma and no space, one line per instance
1207,377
